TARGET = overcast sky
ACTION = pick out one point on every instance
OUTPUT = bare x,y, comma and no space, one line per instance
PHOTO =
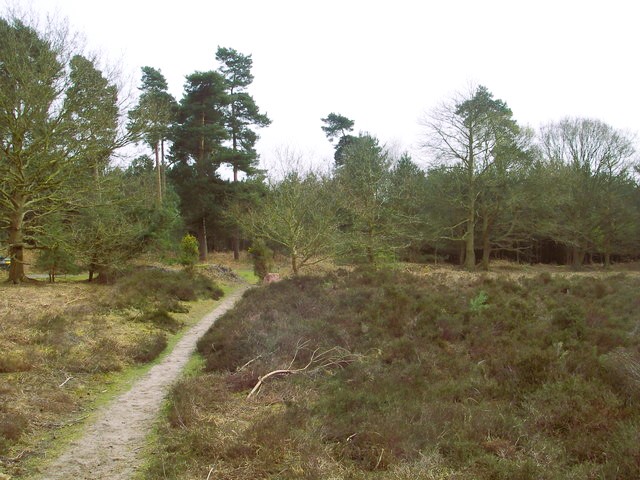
383,63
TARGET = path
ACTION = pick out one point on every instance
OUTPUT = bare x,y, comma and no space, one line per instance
110,447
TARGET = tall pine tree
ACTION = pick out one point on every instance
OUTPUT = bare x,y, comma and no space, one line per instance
151,119
242,117
197,151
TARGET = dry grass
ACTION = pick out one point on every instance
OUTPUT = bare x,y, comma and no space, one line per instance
63,345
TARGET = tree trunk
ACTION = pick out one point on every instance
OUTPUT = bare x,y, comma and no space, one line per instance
607,252
202,240
162,169
16,245
486,243
294,263
236,244
577,255
470,253
158,174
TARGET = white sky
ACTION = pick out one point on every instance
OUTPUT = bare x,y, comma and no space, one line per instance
382,63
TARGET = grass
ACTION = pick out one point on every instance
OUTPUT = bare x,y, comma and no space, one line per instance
439,375
73,346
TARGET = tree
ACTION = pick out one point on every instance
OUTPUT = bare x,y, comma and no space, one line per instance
298,215
107,234
90,118
58,122
409,203
340,127
594,159
197,150
468,133
368,223
151,119
501,200
242,117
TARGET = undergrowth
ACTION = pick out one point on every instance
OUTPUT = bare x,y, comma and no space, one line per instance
472,377
62,345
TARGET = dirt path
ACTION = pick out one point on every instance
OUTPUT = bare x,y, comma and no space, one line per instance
110,447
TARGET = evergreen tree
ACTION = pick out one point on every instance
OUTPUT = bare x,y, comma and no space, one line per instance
151,119
242,117
197,151
340,127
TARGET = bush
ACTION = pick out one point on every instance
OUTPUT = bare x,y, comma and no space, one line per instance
262,257
149,347
14,362
189,252
12,425
159,288
162,319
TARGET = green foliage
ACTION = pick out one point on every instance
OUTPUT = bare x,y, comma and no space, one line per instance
338,126
262,257
242,112
479,302
58,121
189,251
369,225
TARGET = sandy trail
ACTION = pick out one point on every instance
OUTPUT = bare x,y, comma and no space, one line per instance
109,449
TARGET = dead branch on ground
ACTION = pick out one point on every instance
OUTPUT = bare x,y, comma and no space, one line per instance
319,360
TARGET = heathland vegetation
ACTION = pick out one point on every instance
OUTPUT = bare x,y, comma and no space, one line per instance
427,375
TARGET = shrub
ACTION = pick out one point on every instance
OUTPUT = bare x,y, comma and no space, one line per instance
161,319
149,347
262,257
12,425
189,252
148,288
518,388
14,362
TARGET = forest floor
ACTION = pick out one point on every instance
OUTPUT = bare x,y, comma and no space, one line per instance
110,447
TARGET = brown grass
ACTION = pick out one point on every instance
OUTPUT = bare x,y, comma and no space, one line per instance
62,346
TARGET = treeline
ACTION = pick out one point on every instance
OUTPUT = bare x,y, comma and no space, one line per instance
566,194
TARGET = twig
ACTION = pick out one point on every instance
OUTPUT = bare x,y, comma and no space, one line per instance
13,459
248,363
379,459
63,383
74,300
210,472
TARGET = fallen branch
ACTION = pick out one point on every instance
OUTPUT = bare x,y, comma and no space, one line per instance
13,459
320,360
69,377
